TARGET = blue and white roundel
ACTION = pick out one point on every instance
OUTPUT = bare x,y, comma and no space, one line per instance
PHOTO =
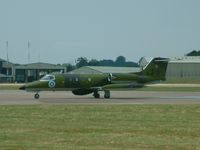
52,84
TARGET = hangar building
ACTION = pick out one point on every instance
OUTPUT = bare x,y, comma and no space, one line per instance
10,72
100,70
34,71
186,68
6,69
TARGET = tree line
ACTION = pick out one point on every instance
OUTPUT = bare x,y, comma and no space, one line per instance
83,61
119,62
194,53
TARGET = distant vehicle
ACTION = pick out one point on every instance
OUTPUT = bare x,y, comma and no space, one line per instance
83,84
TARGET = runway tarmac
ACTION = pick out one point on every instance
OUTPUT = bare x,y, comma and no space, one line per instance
17,97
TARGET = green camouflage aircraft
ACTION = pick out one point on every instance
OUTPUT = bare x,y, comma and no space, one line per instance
83,84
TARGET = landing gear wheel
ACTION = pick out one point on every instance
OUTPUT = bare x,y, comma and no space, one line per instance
36,96
96,95
107,94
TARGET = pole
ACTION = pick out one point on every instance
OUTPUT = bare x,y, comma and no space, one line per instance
7,52
29,52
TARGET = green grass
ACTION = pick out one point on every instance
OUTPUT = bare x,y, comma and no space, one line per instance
103,127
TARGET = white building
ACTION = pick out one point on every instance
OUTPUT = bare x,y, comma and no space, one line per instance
184,68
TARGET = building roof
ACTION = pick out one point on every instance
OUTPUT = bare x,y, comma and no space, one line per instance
2,59
186,59
103,69
115,69
39,66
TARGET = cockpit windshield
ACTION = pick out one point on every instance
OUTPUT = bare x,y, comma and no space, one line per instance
47,78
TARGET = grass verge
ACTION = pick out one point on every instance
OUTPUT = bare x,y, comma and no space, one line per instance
102,127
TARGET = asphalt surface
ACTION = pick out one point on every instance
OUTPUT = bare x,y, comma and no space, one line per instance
17,97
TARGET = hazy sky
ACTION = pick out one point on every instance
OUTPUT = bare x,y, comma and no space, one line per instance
60,31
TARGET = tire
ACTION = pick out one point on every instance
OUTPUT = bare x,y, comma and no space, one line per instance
36,96
96,95
107,94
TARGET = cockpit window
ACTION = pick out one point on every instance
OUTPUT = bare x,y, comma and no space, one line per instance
47,78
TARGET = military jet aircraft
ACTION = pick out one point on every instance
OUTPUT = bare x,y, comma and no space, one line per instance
83,84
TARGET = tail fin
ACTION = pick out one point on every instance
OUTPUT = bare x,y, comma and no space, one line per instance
156,68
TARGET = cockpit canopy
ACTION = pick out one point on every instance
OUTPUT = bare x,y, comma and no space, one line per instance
47,78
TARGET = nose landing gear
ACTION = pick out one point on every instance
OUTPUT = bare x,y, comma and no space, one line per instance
36,96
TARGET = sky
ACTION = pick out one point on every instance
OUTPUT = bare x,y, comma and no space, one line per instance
60,31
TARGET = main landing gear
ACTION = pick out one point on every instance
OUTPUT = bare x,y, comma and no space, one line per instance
96,94
106,94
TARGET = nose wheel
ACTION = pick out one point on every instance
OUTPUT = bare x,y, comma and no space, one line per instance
36,96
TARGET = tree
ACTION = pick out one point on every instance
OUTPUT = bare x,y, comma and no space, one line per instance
105,62
81,61
194,53
131,64
120,61
69,67
93,62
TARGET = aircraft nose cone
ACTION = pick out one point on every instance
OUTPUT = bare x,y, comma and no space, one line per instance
23,87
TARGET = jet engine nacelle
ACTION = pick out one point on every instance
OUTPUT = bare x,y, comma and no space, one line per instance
82,91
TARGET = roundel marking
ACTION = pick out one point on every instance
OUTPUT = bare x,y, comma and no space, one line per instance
52,84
